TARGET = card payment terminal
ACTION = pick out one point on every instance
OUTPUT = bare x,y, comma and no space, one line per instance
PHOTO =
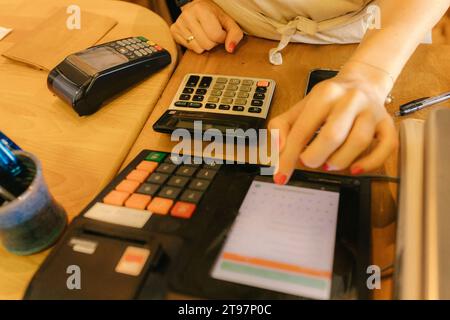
86,79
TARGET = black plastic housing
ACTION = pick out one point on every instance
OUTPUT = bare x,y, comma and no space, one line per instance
86,94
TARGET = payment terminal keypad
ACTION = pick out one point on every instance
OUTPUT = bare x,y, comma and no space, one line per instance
240,96
135,47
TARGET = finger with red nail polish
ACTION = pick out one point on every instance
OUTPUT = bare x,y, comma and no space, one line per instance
356,171
280,179
231,47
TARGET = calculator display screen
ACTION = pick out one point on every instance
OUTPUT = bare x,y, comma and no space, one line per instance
102,58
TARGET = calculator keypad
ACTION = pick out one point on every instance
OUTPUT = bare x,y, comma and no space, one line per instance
227,95
162,187
136,47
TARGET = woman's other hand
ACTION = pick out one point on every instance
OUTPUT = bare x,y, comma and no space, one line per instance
203,25
350,112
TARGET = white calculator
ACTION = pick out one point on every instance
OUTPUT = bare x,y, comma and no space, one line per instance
220,102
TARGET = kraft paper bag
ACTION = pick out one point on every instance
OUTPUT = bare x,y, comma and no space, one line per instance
51,41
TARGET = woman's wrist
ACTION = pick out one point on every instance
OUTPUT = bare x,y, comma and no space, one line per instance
368,76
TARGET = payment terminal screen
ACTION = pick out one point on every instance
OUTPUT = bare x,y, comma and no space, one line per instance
282,240
102,58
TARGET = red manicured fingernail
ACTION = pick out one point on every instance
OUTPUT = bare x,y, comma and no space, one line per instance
357,171
231,47
280,179
326,167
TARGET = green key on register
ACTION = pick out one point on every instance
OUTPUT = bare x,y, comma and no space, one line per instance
142,38
156,157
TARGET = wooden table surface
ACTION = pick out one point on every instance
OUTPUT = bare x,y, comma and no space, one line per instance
79,155
110,139
427,73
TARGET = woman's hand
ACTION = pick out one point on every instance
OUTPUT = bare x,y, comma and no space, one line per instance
207,25
349,111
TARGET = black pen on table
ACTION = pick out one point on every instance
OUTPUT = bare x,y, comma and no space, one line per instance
420,104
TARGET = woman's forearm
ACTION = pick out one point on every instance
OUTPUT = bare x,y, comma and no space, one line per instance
404,24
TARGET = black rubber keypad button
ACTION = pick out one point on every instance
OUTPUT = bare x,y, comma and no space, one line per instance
206,174
186,171
205,83
261,90
148,189
199,184
177,181
259,96
158,178
201,91
193,81
167,168
170,192
198,98
254,110
257,103
188,91
191,196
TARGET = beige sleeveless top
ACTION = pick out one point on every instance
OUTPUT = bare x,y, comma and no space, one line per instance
307,21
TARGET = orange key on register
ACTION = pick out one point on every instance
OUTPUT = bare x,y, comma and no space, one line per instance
160,206
263,84
138,175
138,201
116,198
128,186
148,166
183,210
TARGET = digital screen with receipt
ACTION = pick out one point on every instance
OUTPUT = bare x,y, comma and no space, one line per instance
102,58
282,240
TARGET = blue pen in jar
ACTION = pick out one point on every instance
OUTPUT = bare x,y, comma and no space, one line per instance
8,142
8,161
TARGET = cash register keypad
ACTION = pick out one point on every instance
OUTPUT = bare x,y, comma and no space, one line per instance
241,96
163,187
135,47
